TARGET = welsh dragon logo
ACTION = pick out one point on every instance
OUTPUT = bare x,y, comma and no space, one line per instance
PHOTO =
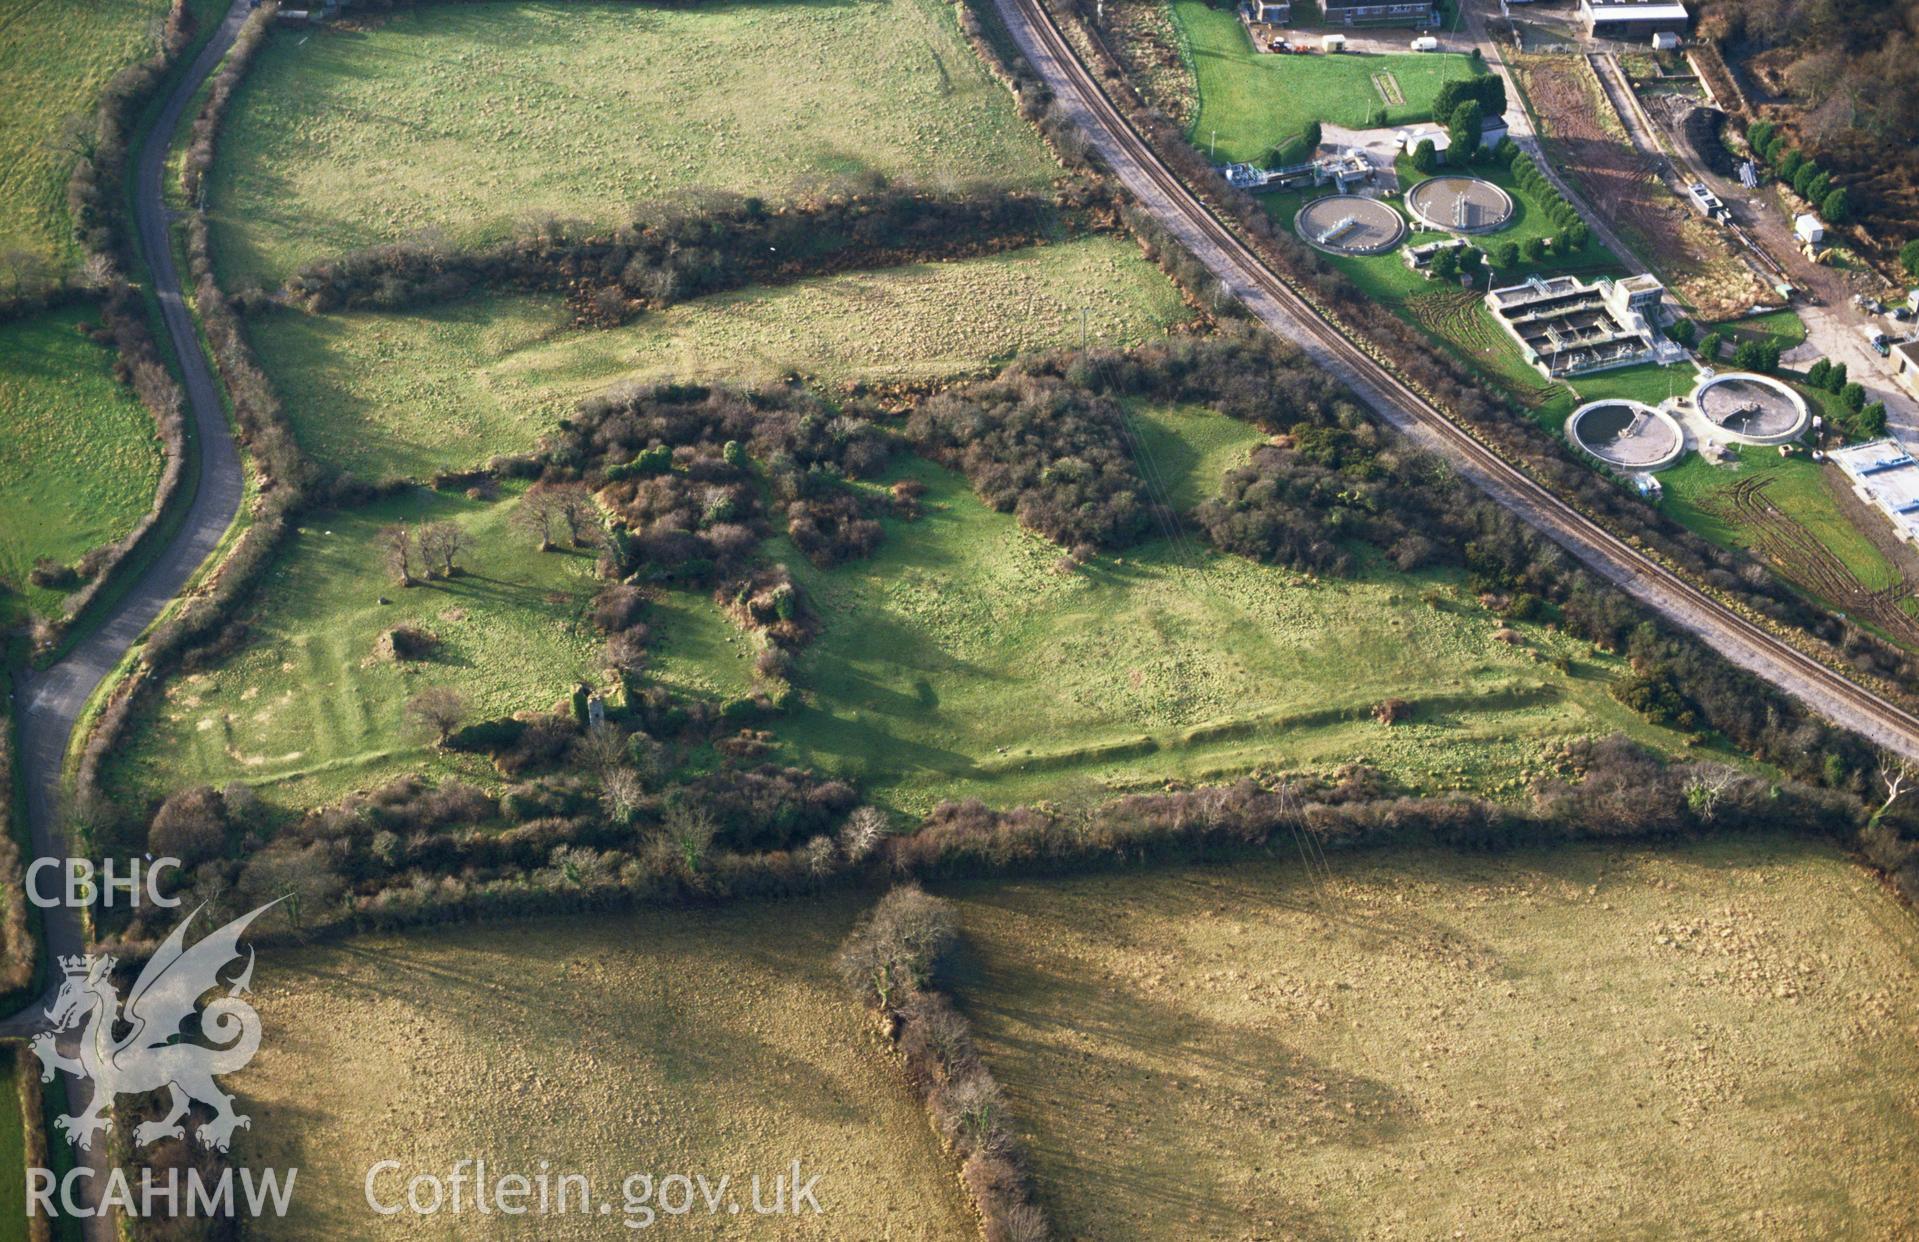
140,1047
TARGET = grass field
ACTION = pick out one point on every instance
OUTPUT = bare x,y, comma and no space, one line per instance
307,710
959,661
55,55
1649,383
1712,1040
1190,448
1798,485
79,460
694,1042
1254,100
406,394
1782,327
466,118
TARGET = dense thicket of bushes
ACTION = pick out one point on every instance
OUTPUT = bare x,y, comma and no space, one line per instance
674,463
892,959
694,244
1036,446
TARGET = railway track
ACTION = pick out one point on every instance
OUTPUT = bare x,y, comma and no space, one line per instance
1285,311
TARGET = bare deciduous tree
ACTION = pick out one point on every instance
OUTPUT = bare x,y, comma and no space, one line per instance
1706,787
602,749
535,514
440,546
862,833
25,271
1896,772
621,792
574,506
436,709
691,829
398,542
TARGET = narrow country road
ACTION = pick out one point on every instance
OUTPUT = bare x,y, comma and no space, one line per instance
1157,190
50,701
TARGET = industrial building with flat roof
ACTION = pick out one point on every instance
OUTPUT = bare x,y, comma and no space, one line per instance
1567,326
1372,13
1632,19
1885,476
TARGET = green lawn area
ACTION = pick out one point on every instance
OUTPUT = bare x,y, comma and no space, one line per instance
466,118
307,709
1800,486
55,55
1649,383
79,459
959,661
1783,327
407,394
1254,100
1186,449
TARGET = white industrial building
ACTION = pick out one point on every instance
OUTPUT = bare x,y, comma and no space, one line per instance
1885,476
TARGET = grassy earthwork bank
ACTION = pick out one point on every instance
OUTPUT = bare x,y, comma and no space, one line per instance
690,1042
962,661
406,394
79,458
308,709
1253,100
465,118
1704,1040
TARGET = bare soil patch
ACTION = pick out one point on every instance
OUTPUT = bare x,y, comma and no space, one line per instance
1695,261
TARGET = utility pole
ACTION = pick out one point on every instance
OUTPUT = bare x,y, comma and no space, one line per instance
1082,329
1212,152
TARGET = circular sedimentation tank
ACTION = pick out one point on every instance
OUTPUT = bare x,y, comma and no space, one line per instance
1627,435
1460,205
1350,224
1754,408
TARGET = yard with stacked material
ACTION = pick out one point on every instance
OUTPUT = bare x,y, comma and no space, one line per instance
1253,100
686,1042
55,56
79,458
1713,1039
467,118
406,394
1584,139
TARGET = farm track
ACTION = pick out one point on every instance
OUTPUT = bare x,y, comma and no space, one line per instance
1282,309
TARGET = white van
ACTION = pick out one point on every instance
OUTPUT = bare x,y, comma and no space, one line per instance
1425,43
